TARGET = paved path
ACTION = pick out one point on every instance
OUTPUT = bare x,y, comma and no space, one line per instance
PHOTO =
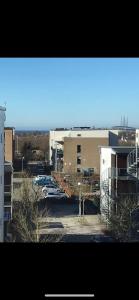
87,225
63,217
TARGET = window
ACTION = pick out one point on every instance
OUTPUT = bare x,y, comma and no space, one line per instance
78,134
0,179
78,170
1,138
91,171
78,160
78,148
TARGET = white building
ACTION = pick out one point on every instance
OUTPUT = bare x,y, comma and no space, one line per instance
56,137
137,137
2,119
117,177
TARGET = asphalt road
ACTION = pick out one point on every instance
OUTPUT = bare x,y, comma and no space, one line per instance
65,207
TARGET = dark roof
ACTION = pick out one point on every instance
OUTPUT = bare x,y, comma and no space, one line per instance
124,149
119,149
60,142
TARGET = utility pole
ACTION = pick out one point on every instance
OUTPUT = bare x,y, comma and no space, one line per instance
56,157
22,163
79,184
83,206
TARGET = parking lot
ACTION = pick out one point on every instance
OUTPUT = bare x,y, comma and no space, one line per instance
61,217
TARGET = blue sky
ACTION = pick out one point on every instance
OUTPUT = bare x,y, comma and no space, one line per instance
44,93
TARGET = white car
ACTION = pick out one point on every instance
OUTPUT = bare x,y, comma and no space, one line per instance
58,195
50,189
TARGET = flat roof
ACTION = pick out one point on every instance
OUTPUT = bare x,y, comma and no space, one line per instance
9,127
119,149
83,129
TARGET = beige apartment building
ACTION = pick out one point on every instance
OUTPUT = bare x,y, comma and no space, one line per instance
59,150
81,154
9,143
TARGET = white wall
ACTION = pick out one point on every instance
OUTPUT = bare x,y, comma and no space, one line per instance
105,159
2,119
137,137
105,164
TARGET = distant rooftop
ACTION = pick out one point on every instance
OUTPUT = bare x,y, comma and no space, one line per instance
80,128
123,128
76,128
61,129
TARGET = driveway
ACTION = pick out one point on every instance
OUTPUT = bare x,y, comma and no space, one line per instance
61,218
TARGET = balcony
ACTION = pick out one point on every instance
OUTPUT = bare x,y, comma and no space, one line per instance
120,195
7,202
7,189
120,173
7,216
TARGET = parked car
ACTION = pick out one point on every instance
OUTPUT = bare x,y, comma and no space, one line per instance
55,195
42,180
50,189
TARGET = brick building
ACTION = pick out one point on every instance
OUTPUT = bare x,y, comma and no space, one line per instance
9,136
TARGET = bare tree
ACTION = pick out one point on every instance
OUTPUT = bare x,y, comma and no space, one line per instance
122,222
25,224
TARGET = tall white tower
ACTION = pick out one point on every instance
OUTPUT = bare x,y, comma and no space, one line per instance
2,120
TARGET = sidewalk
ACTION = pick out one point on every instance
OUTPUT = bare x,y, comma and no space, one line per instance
85,225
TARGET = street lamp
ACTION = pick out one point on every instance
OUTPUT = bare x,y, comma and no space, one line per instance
79,184
83,206
22,163
55,156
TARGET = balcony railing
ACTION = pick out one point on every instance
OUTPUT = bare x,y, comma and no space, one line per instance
118,172
7,216
7,189
130,196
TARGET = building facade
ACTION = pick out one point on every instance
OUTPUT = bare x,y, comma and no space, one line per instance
9,148
117,177
9,138
2,120
8,192
56,139
81,155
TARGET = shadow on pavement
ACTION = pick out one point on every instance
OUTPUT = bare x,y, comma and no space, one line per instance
65,207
